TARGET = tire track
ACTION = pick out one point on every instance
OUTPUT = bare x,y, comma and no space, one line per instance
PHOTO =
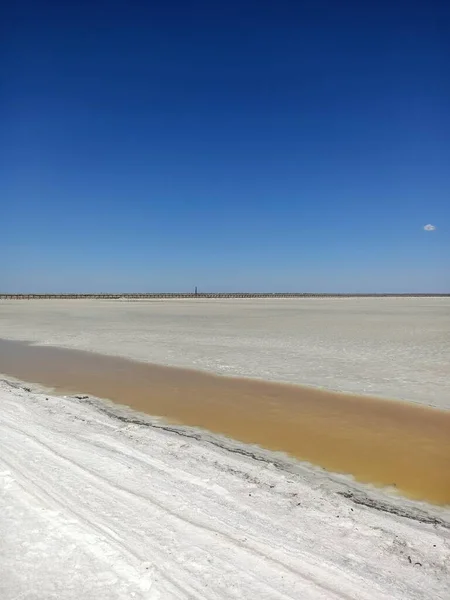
101,482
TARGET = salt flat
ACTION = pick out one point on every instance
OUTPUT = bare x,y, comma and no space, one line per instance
99,502
392,347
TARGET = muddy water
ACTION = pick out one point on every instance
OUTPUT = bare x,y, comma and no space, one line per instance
383,442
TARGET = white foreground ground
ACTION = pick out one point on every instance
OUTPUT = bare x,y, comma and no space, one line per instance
97,502
393,347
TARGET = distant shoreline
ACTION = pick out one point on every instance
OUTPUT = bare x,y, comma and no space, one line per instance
151,296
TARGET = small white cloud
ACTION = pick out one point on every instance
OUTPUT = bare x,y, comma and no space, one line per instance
429,227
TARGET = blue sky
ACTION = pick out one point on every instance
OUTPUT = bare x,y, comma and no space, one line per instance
239,146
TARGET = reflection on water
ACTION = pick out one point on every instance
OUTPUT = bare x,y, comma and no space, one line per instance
378,441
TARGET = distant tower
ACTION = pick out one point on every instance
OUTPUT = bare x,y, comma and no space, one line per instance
195,290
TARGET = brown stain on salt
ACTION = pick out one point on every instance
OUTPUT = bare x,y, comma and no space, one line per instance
383,442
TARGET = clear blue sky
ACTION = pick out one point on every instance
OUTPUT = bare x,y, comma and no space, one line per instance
254,146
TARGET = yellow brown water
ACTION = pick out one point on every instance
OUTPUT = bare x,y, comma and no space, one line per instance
383,442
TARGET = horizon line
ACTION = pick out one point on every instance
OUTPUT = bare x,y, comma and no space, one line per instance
168,295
